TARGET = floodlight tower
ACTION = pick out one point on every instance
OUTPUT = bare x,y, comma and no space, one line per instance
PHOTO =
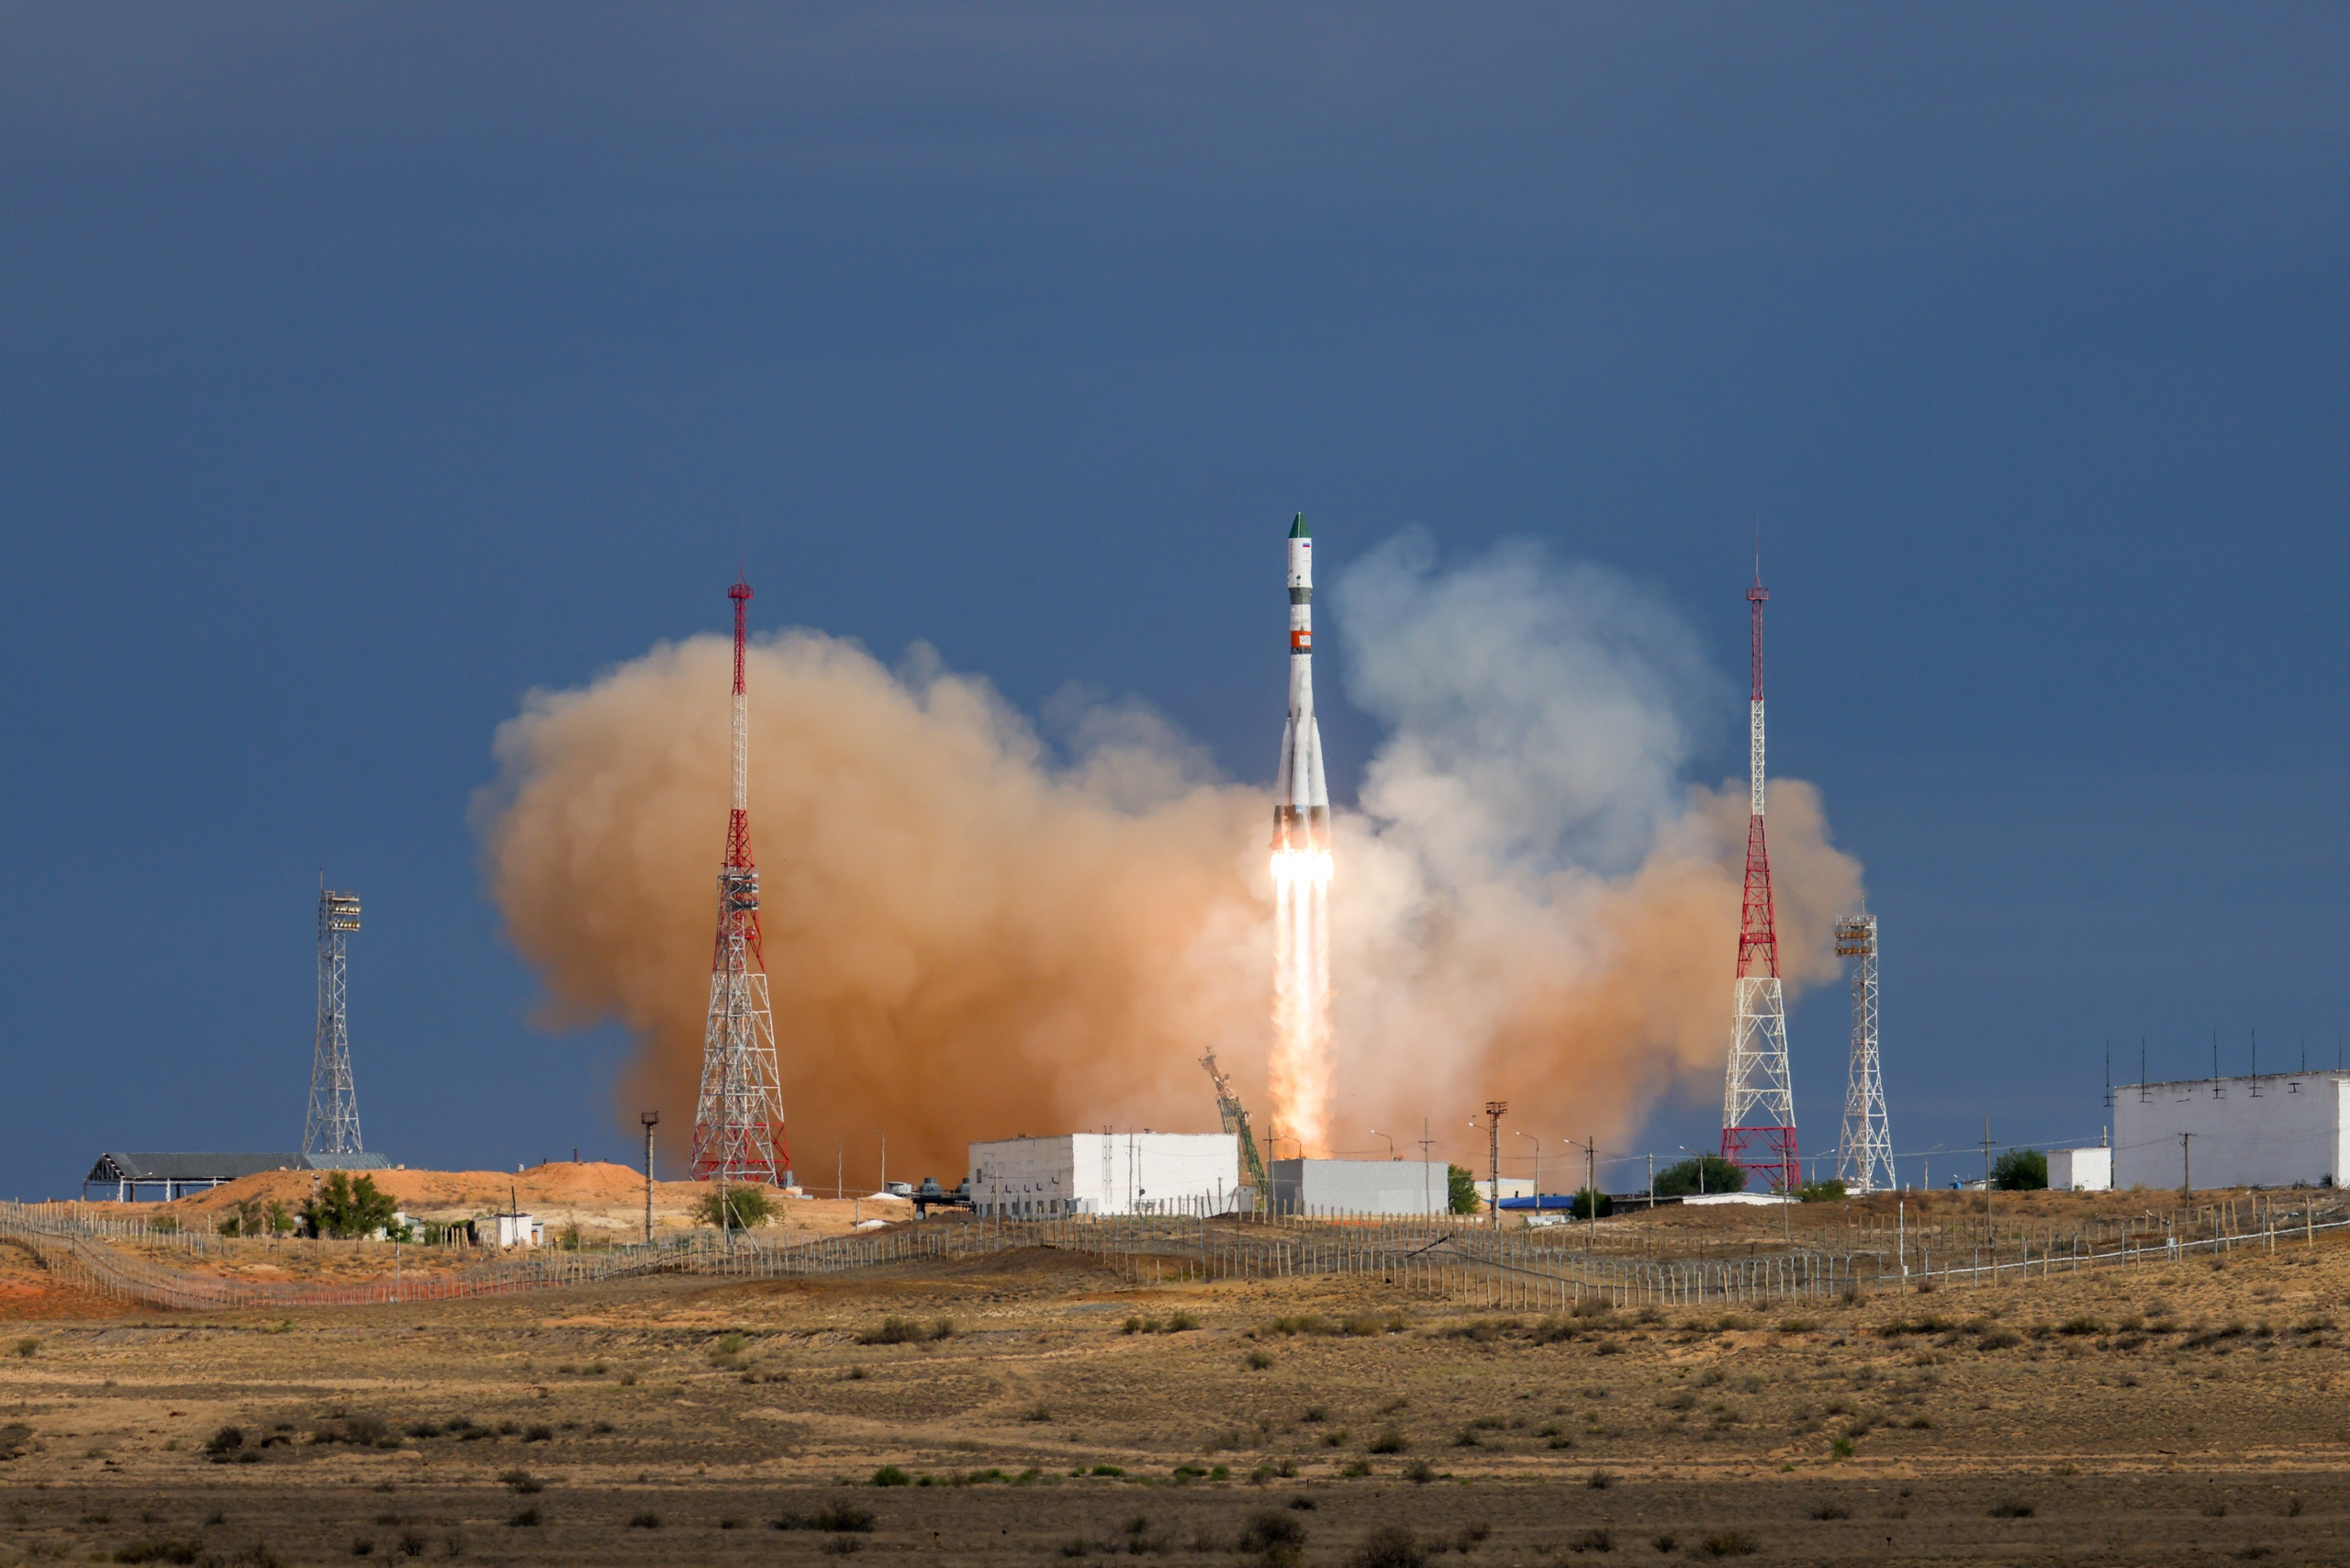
1865,1157
333,1125
1758,1094
738,1119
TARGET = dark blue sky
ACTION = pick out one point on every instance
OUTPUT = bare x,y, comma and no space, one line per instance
362,368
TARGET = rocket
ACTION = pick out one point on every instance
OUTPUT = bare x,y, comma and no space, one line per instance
1300,800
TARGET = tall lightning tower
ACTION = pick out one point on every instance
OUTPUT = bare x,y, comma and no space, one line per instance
1758,1095
333,1125
738,1120
1865,1157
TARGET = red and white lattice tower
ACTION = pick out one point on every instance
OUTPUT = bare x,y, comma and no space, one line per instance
1758,1096
738,1121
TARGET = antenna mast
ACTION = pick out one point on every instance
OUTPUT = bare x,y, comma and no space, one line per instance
1758,1094
1864,1159
333,1125
738,1118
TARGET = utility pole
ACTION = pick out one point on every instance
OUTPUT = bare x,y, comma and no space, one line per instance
651,1120
1591,1187
1427,1183
1494,1111
1987,1178
2187,1163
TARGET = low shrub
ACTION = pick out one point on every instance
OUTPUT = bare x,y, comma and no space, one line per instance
1389,1441
521,1481
1728,1543
2011,1509
224,1442
1271,1529
526,1519
837,1518
1390,1546
1592,1541
159,1552
645,1520
891,1475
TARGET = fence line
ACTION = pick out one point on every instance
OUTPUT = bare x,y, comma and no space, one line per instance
1450,1258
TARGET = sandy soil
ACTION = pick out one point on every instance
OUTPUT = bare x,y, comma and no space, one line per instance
2176,1413
606,1201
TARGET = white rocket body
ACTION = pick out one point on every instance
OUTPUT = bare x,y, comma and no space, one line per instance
1301,800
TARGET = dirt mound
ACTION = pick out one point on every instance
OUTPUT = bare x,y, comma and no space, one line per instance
541,1189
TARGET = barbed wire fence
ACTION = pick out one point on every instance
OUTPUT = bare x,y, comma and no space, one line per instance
1456,1259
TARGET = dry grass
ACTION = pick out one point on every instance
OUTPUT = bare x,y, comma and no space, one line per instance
2189,1396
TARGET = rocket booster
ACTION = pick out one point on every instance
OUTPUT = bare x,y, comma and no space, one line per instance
1301,800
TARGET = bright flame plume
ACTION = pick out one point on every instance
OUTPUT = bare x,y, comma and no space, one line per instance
1302,1069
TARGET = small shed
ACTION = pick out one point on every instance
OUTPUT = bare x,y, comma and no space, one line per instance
509,1230
2080,1169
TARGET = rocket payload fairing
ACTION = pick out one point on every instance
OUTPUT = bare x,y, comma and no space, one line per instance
1300,800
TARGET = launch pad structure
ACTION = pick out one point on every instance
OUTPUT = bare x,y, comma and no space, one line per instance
332,1123
738,1117
1758,1091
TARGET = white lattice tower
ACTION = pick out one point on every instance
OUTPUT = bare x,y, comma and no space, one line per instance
1864,1154
331,1125
1758,1091
738,1117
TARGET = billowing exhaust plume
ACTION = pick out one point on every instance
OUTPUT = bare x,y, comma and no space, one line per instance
968,937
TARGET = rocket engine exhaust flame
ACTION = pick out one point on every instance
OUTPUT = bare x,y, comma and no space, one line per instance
967,936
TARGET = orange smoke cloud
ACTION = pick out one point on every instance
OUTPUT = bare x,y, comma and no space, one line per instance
968,939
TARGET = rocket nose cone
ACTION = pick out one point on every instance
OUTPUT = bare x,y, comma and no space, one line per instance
1297,529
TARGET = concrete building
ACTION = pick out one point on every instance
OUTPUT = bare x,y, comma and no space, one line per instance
1359,1186
2275,1130
2080,1169
509,1230
1107,1174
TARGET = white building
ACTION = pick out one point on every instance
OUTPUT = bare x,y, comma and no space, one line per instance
1360,1186
2271,1131
2080,1169
1107,1174
509,1230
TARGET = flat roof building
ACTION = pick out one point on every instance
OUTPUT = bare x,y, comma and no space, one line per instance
1107,1174
1362,1186
151,1178
2279,1129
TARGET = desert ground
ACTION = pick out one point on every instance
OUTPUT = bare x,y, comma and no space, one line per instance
1034,1408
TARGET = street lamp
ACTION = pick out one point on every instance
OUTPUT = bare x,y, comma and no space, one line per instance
1538,1168
1390,1142
1701,1166
650,1119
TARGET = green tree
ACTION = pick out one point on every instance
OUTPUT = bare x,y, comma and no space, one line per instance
1700,1173
343,1208
1580,1206
1829,1191
1460,1191
738,1208
2019,1171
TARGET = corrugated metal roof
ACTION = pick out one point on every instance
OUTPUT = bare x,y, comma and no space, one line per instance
150,1167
